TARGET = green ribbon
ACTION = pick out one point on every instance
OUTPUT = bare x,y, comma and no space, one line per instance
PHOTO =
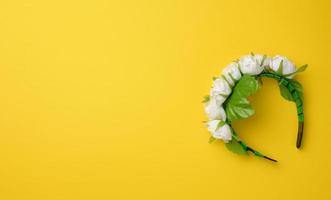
295,95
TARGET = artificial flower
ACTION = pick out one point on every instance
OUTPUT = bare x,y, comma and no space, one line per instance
232,73
249,65
220,87
220,130
288,66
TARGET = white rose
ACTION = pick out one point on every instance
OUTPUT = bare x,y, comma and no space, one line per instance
232,73
288,66
259,59
220,87
219,132
214,110
249,65
219,99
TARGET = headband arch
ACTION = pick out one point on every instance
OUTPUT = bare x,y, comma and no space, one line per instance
228,96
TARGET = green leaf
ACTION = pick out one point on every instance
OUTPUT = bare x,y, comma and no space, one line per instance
280,68
235,147
300,69
211,139
206,99
263,59
297,86
220,124
285,92
237,106
247,86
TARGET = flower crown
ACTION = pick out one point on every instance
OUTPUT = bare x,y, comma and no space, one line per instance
228,97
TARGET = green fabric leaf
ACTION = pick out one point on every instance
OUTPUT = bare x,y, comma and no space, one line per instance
300,69
237,106
263,59
285,92
211,139
280,68
246,86
220,124
297,86
235,147
206,99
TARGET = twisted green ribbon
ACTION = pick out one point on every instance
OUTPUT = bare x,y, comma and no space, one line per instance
297,99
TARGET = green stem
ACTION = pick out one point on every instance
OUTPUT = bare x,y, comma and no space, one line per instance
295,95
247,148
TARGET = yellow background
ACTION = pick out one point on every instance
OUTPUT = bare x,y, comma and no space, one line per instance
102,99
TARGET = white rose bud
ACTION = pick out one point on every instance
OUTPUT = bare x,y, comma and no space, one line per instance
232,73
220,87
288,66
214,110
219,99
219,131
249,65
260,58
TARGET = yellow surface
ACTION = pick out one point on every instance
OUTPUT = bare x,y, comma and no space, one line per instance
102,100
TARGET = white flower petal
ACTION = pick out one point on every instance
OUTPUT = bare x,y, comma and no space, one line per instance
219,99
220,87
226,133
260,58
288,66
232,73
214,110
249,65
223,132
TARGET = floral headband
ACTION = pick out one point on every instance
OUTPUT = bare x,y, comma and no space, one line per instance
228,97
